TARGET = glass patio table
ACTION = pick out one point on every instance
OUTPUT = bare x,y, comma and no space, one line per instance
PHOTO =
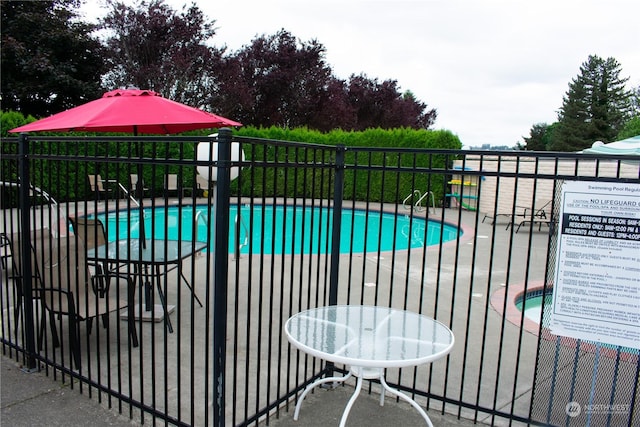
368,339
151,261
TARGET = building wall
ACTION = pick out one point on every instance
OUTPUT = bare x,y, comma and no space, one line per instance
528,192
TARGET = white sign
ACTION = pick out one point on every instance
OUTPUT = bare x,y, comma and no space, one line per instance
596,295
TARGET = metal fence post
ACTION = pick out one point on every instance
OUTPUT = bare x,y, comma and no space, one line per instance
338,193
27,282
221,274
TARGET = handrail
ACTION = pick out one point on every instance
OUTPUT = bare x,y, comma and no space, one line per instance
128,193
433,200
33,189
418,204
246,235
406,199
200,215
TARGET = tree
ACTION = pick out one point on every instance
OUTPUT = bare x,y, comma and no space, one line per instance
279,80
382,105
49,60
540,137
631,128
275,80
536,140
595,107
151,46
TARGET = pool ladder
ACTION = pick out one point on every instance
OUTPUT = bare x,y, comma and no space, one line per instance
417,206
238,222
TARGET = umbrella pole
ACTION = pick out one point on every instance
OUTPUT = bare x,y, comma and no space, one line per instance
140,193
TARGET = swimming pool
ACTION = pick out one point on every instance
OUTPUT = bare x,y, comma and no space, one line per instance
287,229
531,304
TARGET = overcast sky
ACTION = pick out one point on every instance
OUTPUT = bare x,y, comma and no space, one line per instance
491,68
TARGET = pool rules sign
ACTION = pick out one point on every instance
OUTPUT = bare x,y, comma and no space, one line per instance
596,294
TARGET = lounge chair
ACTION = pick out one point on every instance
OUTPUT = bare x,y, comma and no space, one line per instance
540,214
66,289
96,184
518,211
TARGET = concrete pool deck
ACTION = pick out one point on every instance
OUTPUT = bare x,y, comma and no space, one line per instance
324,407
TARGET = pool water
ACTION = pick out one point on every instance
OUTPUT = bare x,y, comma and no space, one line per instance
532,305
286,229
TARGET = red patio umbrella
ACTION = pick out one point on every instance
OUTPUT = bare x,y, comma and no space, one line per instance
130,111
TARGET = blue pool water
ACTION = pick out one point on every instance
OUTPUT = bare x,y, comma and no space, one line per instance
286,229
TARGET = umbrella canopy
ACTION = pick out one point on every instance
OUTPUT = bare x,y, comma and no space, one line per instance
625,146
129,111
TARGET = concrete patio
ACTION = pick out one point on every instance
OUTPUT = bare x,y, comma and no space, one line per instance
183,354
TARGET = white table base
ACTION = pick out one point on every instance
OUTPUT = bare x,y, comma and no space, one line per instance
362,374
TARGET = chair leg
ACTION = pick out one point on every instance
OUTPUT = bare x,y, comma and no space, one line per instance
131,319
41,329
18,306
54,332
74,340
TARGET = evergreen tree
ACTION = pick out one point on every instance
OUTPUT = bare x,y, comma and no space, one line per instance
595,108
536,140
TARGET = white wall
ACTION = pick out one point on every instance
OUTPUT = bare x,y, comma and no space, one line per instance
524,191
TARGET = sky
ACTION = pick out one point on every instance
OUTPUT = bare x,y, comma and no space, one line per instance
491,68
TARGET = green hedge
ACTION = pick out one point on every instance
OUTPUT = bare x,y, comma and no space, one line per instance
359,185
270,181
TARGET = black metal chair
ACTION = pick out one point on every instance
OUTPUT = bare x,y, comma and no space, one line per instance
66,289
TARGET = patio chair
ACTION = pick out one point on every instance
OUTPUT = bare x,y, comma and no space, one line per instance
92,233
171,185
5,250
16,272
133,186
203,186
66,290
96,184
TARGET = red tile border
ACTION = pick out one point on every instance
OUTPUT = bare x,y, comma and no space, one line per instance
503,301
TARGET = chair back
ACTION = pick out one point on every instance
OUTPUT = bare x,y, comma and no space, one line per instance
67,285
171,181
62,267
39,239
99,183
202,183
90,230
96,183
133,181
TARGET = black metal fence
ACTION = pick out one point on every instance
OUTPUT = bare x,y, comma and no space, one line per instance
442,233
